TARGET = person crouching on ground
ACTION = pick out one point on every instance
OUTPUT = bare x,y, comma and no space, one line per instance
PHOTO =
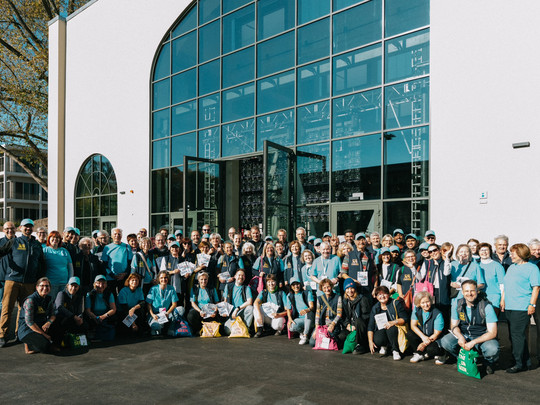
272,294
100,309
239,296
427,325
473,326
356,310
162,301
329,309
301,310
201,296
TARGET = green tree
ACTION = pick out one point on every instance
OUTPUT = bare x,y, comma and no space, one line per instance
24,79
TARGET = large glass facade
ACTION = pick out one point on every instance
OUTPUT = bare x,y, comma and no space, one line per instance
344,84
96,196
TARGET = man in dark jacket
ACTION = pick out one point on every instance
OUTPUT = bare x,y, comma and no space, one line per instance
25,264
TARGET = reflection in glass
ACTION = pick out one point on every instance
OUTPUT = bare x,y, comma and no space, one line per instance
277,127
239,29
356,168
184,117
274,16
209,75
401,16
177,188
407,104
313,82
275,92
238,102
275,54
184,52
209,143
230,5
239,67
161,124
313,174
357,26
184,86
278,189
360,220
238,138
187,23
160,154
403,214
161,94
407,56
357,70
209,111
208,10
406,163
158,222
163,64
357,114
209,41
313,41
309,10
160,190
313,218
313,122
183,145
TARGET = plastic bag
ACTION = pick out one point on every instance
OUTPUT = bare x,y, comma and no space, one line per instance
210,330
323,341
466,363
350,343
179,328
239,329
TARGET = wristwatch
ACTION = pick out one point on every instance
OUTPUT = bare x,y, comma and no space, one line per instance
532,305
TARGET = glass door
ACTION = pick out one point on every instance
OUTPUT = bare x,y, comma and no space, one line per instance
203,194
360,217
278,168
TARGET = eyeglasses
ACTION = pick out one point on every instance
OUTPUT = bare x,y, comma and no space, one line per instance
44,286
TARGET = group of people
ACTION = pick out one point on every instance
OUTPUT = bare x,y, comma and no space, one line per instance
387,289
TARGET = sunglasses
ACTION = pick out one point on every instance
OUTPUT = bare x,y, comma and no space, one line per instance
433,250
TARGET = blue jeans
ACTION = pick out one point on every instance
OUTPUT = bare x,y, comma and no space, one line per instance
303,324
489,348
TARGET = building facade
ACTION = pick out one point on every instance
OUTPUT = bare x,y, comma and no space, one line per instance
327,115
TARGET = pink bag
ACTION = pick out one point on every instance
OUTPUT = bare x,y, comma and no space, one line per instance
425,286
323,341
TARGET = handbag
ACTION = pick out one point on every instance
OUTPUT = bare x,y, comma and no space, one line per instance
454,291
350,343
466,363
210,330
408,298
403,342
424,286
337,327
179,327
323,341
239,329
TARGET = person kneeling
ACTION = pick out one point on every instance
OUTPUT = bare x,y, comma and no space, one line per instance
276,317
473,326
100,310
239,296
201,297
162,301
69,312
131,304
427,325
356,310
300,311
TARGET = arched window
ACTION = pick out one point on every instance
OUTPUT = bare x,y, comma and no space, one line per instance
96,196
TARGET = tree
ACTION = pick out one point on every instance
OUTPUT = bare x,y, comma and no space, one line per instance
24,79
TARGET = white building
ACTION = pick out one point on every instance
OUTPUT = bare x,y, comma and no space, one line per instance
391,113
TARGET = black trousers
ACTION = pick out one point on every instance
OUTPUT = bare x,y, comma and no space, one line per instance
361,334
518,322
433,349
36,342
387,337
61,326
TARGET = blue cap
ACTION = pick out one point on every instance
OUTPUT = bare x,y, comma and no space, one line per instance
178,232
171,237
175,244
411,236
77,231
94,233
317,242
424,246
327,234
268,238
295,280
384,250
398,230
206,236
359,235
75,280
394,248
429,233
27,221
100,277
349,282
311,238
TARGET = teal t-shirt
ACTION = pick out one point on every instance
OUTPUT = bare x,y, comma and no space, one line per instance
438,324
99,305
130,298
57,261
491,316
518,284
237,299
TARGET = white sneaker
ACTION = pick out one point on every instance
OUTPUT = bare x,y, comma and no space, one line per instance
396,355
382,352
303,339
416,358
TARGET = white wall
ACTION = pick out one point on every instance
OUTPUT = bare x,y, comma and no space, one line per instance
110,50
485,83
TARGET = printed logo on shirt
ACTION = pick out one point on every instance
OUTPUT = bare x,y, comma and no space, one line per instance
40,310
169,265
21,246
289,265
354,262
266,265
77,264
407,277
462,316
